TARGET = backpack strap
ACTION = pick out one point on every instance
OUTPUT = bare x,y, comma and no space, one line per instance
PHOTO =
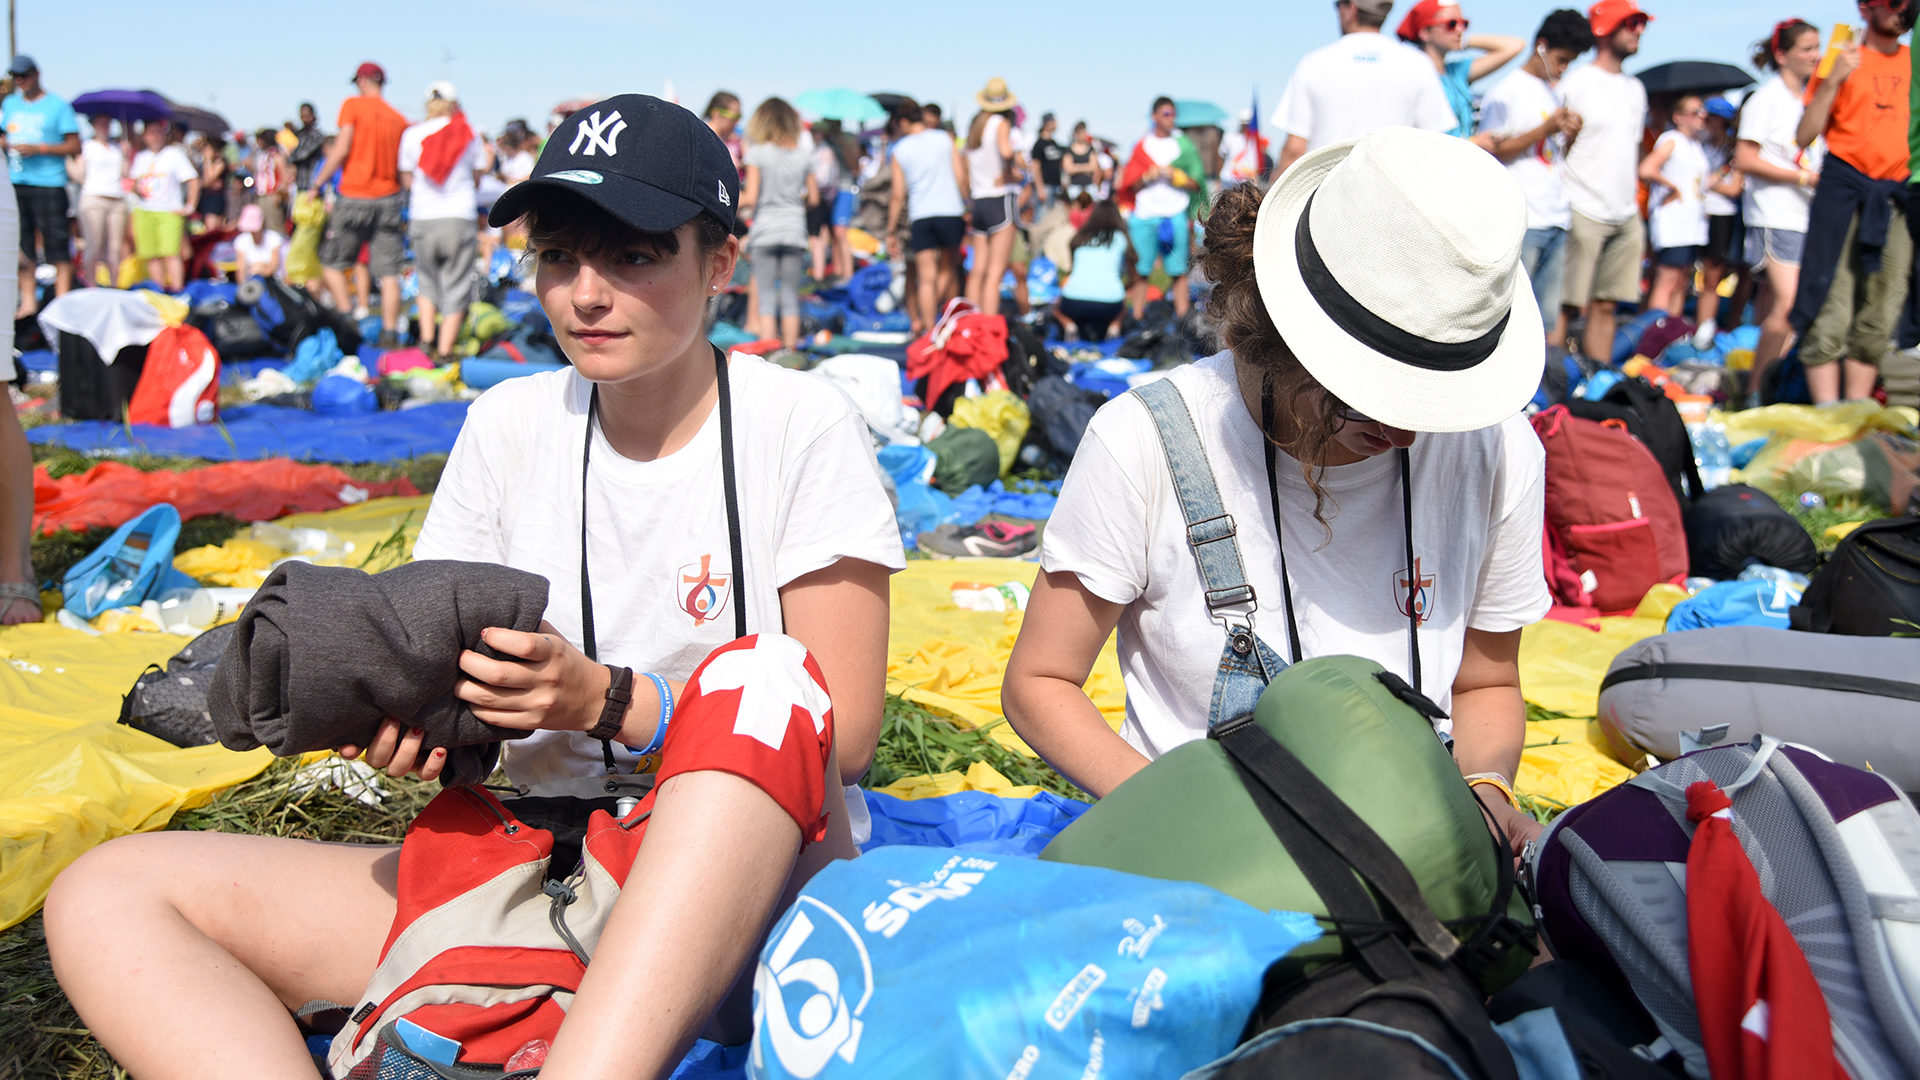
1210,529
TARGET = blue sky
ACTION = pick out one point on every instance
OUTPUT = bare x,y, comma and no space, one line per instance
254,62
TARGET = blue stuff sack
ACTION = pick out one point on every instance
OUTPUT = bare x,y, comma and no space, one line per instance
867,285
132,566
314,356
915,961
1736,603
342,395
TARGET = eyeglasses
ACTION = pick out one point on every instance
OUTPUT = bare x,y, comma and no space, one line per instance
726,114
1638,23
1692,112
1347,414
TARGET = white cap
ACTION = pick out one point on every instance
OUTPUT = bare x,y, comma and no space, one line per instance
442,89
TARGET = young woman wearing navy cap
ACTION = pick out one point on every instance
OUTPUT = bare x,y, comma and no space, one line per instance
711,497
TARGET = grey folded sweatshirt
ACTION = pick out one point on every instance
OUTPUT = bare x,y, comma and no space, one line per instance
323,654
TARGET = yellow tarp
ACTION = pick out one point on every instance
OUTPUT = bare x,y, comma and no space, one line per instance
1561,664
979,776
72,777
944,657
1827,423
1566,761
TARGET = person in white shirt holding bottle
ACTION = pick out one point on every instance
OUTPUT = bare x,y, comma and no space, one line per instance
1677,172
1781,175
1525,123
101,170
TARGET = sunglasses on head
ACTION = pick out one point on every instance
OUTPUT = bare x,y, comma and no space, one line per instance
1891,5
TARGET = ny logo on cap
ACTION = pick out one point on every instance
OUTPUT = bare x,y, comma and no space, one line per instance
598,134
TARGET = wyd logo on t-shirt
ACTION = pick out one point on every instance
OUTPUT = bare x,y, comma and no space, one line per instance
703,593
1416,587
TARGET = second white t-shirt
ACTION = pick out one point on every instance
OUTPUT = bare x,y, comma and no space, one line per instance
248,252
106,170
453,197
1516,105
1358,84
1161,199
1479,499
1602,171
1681,222
160,179
664,592
1768,118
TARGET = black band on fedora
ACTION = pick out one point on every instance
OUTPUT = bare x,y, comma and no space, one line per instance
1375,332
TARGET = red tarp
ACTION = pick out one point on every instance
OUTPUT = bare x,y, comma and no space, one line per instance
112,493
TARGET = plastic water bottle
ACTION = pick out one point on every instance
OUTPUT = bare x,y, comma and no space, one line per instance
1711,452
1762,572
201,609
1812,500
976,596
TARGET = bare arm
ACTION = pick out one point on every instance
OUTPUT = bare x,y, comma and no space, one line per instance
749,188
813,190
1746,158
193,197
68,146
894,191
336,155
1290,153
1043,696
962,176
840,614
1498,50
1651,165
1512,147
1490,722
1820,109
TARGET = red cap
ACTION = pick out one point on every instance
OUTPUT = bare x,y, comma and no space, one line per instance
1607,15
370,70
1424,14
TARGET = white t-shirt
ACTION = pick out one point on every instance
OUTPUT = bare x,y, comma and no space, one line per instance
1161,199
248,252
453,198
1682,222
1769,118
1718,205
1602,171
517,167
926,160
1479,498
1516,105
160,179
663,590
985,166
1358,84
106,168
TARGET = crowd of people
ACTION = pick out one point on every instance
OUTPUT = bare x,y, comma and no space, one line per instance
1374,278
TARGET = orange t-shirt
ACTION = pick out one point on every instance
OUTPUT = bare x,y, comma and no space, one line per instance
372,170
1868,125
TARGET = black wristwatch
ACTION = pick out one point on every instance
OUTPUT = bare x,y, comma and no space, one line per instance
614,713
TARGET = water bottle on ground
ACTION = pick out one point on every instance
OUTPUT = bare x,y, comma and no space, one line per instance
1711,453
977,596
202,609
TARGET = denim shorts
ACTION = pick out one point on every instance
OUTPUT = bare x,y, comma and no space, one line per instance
1777,245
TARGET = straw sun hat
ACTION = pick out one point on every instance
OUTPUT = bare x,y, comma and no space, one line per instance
1391,266
995,97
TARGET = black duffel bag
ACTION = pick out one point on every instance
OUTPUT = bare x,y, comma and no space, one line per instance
1870,586
1735,526
171,702
1401,1001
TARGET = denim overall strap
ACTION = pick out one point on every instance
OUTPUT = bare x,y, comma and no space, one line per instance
1246,662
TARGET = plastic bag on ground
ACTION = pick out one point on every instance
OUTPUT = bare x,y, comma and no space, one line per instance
1134,977
1002,415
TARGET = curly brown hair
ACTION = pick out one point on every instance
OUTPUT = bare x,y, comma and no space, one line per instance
1299,416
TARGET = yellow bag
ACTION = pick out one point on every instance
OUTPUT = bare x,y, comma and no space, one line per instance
303,250
1002,415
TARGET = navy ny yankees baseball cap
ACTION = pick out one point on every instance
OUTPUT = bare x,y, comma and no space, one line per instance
650,163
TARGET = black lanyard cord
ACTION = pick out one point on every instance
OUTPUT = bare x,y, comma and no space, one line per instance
1279,543
589,644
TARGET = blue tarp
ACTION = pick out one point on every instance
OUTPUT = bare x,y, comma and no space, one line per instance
974,820
248,432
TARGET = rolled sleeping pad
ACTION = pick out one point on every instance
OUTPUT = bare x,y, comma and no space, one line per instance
481,373
249,292
1854,699
1187,817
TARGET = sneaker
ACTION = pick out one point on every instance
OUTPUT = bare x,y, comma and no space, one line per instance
1703,337
987,540
390,339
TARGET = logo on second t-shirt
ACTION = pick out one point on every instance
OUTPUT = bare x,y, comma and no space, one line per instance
1416,587
703,593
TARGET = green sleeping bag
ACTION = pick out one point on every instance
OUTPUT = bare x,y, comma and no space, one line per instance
1187,816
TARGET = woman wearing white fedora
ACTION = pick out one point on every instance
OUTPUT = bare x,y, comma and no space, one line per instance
1361,439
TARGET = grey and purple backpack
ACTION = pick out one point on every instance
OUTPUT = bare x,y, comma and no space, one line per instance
1837,850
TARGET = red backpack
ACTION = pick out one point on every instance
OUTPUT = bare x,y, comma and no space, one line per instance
1613,526
180,386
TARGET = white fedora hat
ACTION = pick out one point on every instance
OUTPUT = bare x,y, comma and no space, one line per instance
1391,266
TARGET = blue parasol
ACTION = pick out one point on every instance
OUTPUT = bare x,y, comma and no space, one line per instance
1191,114
852,108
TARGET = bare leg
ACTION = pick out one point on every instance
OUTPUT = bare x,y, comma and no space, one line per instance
1776,334
1859,378
1597,342
362,290
336,281
429,322
1667,293
16,516
246,927
28,291
390,304
62,278
449,331
790,330
1182,300
1711,273
176,273
842,253
929,267
1823,383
